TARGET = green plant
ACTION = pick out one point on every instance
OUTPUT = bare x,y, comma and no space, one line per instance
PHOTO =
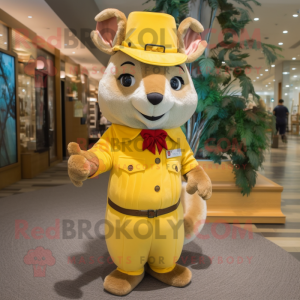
226,124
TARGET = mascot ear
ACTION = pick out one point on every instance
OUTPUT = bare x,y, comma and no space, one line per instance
110,30
189,39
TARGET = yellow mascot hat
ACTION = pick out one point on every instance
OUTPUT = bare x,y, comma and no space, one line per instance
151,38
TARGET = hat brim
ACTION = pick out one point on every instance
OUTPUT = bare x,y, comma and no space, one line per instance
154,58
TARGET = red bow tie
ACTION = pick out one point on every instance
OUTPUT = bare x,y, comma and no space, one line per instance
152,138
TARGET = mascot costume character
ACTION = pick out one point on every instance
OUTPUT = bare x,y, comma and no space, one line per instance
147,93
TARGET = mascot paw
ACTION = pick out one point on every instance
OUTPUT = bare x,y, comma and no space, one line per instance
205,192
81,164
121,284
198,181
180,276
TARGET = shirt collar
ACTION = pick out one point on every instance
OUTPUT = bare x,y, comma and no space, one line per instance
125,134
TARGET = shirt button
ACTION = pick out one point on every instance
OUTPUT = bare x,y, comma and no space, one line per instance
157,188
130,167
157,160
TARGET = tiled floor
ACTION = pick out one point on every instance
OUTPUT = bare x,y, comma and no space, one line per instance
55,176
282,165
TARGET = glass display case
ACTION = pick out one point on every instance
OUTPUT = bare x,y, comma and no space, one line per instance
26,93
45,64
36,92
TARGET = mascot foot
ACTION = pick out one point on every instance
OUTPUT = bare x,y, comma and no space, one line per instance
180,276
121,284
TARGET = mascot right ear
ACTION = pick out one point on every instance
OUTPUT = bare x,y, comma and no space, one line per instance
110,30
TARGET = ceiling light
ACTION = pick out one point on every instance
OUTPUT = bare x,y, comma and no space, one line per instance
29,17
280,44
295,76
266,93
285,73
23,90
287,85
266,70
97,71
294,58
269,83
286,94
0,34
293,69
223,62
285,31
296,88
273,79
254,80
257,77
5,43
261,74
256,19
73,52
40,65
272,66
295,15
27,82
266,85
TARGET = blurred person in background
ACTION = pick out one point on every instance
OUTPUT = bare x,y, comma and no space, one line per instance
281,113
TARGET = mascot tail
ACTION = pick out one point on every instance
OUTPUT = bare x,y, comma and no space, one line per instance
195,210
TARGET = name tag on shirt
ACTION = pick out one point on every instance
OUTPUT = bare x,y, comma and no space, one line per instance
173,153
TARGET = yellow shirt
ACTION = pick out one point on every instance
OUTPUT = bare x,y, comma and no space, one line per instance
140,179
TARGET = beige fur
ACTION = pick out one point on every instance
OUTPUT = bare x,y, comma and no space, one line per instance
198,181
182,30
180,276
121,284
132,102
120,34
81,164
195,210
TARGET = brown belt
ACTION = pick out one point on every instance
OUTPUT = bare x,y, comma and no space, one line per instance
150,213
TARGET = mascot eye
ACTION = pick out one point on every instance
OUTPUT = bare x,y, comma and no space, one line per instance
176,83
127,80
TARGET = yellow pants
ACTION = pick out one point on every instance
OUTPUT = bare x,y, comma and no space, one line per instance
134,241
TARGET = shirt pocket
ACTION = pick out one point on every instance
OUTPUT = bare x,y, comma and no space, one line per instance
174,166
126,183
131,166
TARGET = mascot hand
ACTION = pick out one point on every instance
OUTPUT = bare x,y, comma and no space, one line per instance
81,164
198,180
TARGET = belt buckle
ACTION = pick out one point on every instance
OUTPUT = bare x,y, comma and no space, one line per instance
152,213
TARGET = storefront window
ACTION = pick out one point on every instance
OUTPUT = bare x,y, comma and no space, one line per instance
36,96
3,37
74,88
27,54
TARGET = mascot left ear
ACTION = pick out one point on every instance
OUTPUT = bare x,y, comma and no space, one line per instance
189,39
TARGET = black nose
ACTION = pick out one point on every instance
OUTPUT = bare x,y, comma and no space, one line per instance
155,98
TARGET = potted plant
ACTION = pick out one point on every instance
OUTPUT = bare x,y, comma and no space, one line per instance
229,123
